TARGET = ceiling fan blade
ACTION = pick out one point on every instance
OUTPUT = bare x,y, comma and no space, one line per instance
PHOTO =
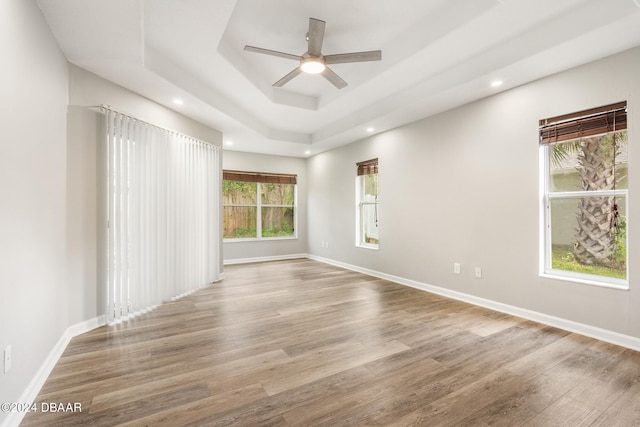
316,36
335,79
341,58
288,77
272,52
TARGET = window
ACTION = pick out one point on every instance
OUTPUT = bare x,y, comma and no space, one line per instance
367,204
259,205
584,163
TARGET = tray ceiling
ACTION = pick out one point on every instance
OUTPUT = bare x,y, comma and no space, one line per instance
436,55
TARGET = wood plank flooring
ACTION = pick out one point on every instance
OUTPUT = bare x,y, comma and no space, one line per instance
301,343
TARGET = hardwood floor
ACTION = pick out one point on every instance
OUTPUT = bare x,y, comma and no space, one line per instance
301,343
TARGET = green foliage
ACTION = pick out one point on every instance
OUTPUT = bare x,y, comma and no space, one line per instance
373,240
285,231
239,193
562,258
241,233
620,255
563,151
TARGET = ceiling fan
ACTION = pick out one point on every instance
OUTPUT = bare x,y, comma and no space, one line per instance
313,61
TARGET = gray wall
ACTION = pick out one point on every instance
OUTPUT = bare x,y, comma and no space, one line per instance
33,165
463,187
236,160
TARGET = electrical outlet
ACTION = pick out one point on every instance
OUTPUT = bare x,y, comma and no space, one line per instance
7,359
478,272
456,267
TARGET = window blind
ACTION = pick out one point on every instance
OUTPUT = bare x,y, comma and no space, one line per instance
267,178
585,123
368,167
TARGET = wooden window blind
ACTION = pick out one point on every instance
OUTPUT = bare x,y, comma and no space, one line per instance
595,121
367,168
267,178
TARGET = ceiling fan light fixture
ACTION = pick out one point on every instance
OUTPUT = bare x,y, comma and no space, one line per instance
312,65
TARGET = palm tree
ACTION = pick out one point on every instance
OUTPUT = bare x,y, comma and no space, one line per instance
596,239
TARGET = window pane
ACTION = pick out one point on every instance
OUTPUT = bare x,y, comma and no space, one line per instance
587,163
277,194
581,237
277,222
369,223
239,222
239,193
370,185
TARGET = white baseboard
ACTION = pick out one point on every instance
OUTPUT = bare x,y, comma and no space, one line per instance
31,392
264,259
606,335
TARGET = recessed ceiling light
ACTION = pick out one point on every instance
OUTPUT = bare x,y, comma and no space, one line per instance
496,83
307,152
178,101
370,129
229,143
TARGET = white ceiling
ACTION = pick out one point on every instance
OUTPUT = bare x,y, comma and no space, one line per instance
436,55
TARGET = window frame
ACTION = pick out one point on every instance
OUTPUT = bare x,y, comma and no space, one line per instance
546,226
272,178
546,270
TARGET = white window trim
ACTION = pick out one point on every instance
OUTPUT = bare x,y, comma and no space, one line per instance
258,207
545,231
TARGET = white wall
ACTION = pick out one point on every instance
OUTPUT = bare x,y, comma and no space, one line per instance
33,280
237,160
463,187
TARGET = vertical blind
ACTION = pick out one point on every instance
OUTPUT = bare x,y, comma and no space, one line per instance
163,219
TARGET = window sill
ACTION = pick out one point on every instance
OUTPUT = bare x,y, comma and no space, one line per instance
619,284
252,239
368,246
